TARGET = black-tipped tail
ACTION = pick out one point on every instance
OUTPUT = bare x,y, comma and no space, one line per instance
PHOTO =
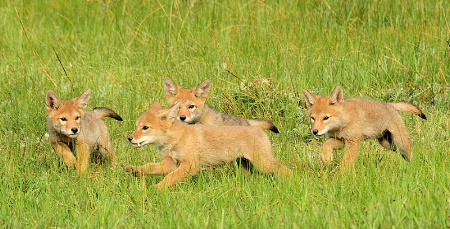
106,112
263,124
408,108
274,129
422,115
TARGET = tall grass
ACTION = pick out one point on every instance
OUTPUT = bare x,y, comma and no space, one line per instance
258,56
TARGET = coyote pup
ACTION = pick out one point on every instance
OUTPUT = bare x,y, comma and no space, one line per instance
72,129
193,107
350,121
186,148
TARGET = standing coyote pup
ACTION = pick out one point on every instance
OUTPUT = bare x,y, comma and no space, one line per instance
186,148
193,108
72,129
350,121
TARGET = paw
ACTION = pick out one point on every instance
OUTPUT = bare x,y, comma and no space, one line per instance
326,158
285,172
347,163
133,170
160,186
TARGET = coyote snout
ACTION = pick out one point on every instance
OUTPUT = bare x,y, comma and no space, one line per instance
137,143
318,132
182,117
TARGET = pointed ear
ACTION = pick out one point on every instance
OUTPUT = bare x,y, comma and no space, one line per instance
51,101
202,89
337,95
83,99
155,107
173,111
169,114
309,97
170,87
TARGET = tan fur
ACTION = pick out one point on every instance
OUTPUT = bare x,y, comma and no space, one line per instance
184,148
350,121
73,130
193,107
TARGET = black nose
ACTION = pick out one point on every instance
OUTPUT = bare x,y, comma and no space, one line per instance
130,138
183,117
74,130
315,132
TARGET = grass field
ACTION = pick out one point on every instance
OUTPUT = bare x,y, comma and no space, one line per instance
258,56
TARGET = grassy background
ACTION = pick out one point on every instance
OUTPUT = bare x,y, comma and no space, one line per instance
258,56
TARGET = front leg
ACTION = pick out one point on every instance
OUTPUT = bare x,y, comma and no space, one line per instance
64,151
82,151
327,149
185,170
351,152
167,165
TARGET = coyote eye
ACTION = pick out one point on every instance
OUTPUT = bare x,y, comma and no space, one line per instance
63,119
145,127
326,117
191,106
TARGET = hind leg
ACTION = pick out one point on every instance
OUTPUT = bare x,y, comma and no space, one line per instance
109,156
387,141
103,153
401,140
265,162
107,153
244,165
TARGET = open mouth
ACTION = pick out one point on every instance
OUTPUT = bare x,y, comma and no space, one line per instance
138,145
142,141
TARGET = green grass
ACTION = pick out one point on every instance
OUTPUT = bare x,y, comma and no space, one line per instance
258,56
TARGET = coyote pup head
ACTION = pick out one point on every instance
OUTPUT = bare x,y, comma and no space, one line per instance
66,115
191,101
324,111
151,126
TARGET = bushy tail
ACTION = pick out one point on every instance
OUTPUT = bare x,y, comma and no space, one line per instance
263,124
408,108
105,112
